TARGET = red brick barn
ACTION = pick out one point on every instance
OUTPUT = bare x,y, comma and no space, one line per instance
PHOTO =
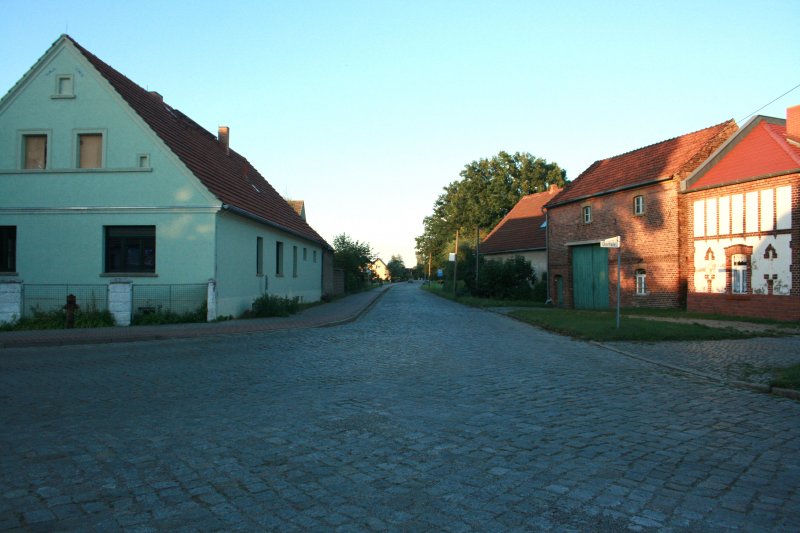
635,196
743,223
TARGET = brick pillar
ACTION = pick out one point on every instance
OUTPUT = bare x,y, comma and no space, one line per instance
120,301
10,301
211,301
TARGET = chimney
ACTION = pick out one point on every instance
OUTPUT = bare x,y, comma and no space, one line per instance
793,123
223,137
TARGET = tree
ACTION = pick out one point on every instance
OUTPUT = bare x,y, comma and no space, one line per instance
354,258
487,191
397,269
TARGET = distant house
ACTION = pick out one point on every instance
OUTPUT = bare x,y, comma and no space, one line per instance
299,207
634,196
743,223
522,232
380,270
102,183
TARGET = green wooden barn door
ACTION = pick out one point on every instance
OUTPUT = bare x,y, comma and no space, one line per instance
590,277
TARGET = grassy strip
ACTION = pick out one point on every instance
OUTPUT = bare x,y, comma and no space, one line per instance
787,378
682,314
601,326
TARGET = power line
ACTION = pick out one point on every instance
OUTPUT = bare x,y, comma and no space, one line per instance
765,105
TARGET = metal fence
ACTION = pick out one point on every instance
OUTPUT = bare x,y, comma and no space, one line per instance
46,297
184,298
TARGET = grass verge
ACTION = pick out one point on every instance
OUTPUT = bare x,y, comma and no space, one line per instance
479,302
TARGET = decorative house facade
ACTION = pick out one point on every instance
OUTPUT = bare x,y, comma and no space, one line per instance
103,183
522,232
743,211
633,196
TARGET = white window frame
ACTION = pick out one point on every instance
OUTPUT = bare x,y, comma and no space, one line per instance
59,93
586,212
641,282
739,266
23,144
638,205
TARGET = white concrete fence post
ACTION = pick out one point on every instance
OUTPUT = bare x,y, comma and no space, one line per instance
120,301
10,301
211,301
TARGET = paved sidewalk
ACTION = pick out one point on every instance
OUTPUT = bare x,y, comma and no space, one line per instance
337,312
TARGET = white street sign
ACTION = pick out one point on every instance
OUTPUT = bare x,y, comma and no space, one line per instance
612,242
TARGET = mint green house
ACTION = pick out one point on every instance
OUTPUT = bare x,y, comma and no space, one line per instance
104,184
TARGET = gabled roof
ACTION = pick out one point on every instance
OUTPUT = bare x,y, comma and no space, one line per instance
657,162
225,173
521,229
299,207
760,149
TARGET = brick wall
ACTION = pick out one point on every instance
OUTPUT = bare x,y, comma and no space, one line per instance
771,306
649,242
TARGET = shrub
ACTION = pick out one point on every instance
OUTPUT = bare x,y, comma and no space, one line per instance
57,319
271,305
170,317
507,280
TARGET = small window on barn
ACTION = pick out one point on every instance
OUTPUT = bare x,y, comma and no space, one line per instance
739,279
638,205
641,281
587,214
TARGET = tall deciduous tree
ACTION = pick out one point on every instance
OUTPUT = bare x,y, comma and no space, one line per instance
397,269
487,191
353,257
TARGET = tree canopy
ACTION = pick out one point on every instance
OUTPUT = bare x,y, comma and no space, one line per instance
397,269
353,257
487,191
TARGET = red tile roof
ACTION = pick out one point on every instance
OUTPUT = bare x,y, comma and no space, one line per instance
226,174
656,162
521,229
759,149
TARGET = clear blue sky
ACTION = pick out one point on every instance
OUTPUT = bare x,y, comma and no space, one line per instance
365,110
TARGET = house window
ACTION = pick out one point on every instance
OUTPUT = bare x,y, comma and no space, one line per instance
130,249
315,256
641,281
143,161
294,261
305,254
65,86
259,256
587,214
8,248
638,205
90,150
279,258
739,283
35,151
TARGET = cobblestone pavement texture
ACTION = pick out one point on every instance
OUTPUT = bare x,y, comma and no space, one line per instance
421,416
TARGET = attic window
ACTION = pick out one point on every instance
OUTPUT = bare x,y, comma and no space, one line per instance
65,86
143,161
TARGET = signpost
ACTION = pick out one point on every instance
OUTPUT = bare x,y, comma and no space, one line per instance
614,242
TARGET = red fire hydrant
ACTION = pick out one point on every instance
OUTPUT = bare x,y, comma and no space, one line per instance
71,306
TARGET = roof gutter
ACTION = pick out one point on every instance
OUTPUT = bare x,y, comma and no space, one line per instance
609,191
247,214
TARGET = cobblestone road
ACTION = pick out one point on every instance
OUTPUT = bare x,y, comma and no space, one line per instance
422,416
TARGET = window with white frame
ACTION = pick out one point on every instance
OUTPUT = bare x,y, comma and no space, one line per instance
65,86
638,205
641,281
739,274
587,214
